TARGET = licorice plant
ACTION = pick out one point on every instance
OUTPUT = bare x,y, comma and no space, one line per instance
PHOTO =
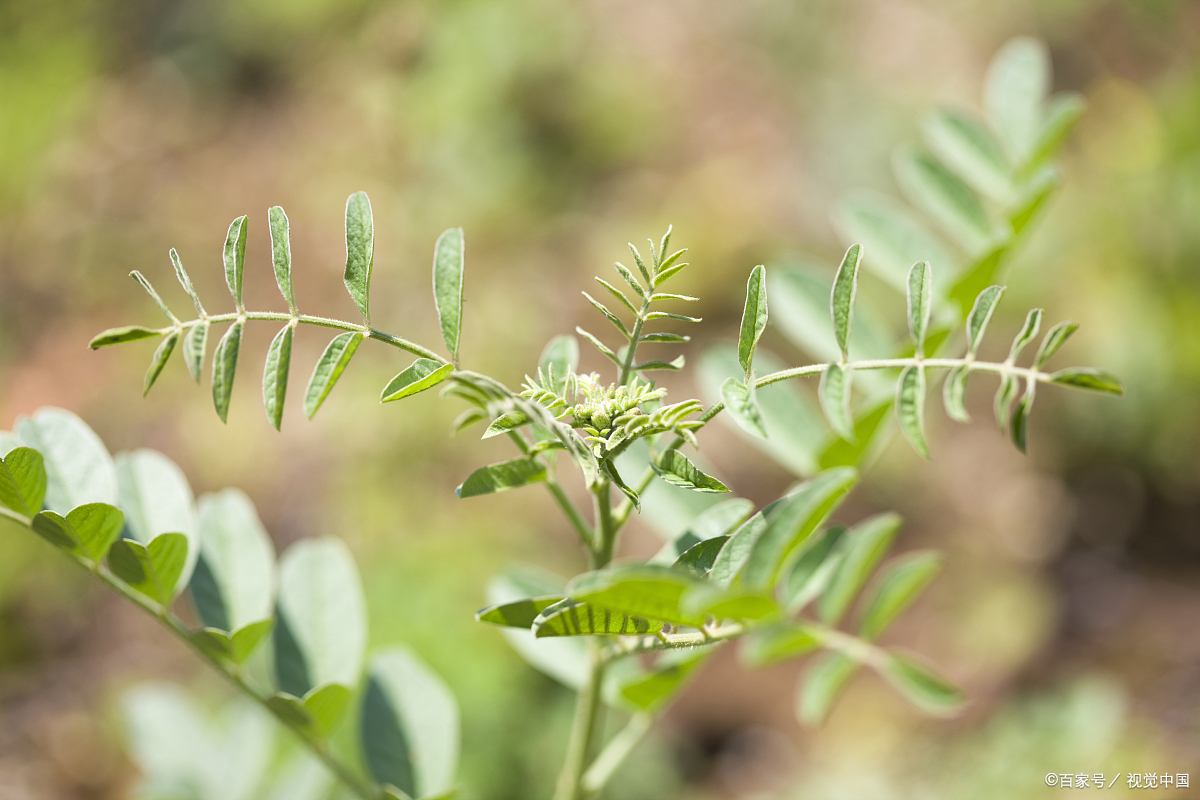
624,634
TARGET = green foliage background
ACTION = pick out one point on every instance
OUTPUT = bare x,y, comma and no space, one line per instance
553,133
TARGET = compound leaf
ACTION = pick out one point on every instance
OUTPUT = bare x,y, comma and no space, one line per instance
1004,397
1033,321
448,255
910,407
865,545
422,374
675,468
78,467
1018,424
920,302
234,257
23,480
195,345
741,401
981,314
649,591
152,569
1056,337
161,355
275,375
360,251
1088,378
900,582
570,617
330,366
225,359
281,254
954,393
841,299
754,317
86,531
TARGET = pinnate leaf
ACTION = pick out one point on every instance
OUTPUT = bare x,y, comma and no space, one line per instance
900,582
1033,321
422,374
841,300
225,360
23,480
195,346
87,531
865,544
360,251
153,569
502,476
981,314
161,355
920,302
754,317
642,590
234,257
954,393
675,468
129,333
910,407
281,254
448,257
1056,337
275,375
570,617
741,401
1088,378
330,366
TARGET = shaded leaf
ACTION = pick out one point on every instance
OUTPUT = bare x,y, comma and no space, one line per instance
822,685
741,401
700,557
834,394
153,569
865,544
643,590
321,626
78,467
23,480
1013,93
502,476
920,302
161,355
754,317
921,685
225,368
675,468
1033,321
1055,338
910,407
234,256
654,689
971,151
86,531
944,197
981,314
1061,114
841,299
195,345
129,333
868,429
448,256
891,236
563,659
778,643
1004,397
156,498
330,366
506,423
954,393
281,254
422,374
899,583
235,575
1088,378
409,725
237,646
517,613
569,617
185,281
812,572
1018,424
360,251
561,356
318,711
275,375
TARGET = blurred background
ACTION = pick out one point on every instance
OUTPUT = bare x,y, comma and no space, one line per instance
553,133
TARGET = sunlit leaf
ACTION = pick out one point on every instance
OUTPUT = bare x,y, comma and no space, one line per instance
700,557
1014,90
910,407
422,374
88,530
281,254
1088,378
981,314
153,569
448,258
409,725
321,626
360,251
812,572
225,359
234,580
78,467
921,685
944,197
754,317
971,151
330,366
161,355
129,333
675,468
741,401
506,423
570,617
822,685
502,476
778,643
642,590
834,394
1055,338
234,256
23,480
899,584
275,375
841,301
319,710
865,544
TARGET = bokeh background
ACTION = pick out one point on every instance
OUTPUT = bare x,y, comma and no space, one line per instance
554,132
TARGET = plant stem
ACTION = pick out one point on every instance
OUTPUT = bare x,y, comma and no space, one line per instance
583,729
634,336
615,752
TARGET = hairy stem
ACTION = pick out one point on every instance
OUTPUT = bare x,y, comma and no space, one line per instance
634,336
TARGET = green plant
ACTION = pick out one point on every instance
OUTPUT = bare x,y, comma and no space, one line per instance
626,635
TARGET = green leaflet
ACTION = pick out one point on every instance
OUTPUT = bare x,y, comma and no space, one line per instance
981,314
422,374
741,401
865,544
736,552
185,281
448,255
867,429
319,709
360,251
409,725
1004,397
700,557
237,646
1018,424
812,572
823,683
195,345
910,407
1061,114
790,524
944,197
153,569
1033,197
235,258
1088,378
23,480
1014,91
754,318
1056,337
841,299
834,394
506,423
1033,321
565,660
803,300
562,356
87,531
569,617
275,374
651,690
783,642
921,685
145,284
920,302
78,467
281,254
708,599
716,520
232,586
225,359
330,366
954,393
900,582
675,468
972,152
502,476
129,333
641,590
892,235
161,355
321,626
517,613
156,498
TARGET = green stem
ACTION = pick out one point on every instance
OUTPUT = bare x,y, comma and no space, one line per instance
614,753
583,729
568,508
634,336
